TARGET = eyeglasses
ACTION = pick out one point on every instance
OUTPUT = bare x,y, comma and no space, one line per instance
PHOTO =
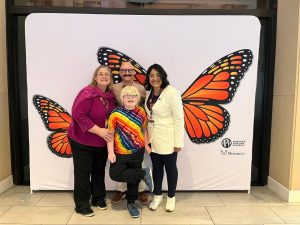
155,76
126,70
129,96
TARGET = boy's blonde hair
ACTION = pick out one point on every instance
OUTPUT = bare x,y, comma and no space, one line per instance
130,90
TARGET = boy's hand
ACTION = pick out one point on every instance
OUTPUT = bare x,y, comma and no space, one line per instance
112,157
148,149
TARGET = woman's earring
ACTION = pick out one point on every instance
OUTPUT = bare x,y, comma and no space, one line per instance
94,82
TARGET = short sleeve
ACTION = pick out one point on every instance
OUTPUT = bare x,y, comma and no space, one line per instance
111,123
144,116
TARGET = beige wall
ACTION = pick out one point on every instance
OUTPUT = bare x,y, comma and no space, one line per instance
5,165
285,136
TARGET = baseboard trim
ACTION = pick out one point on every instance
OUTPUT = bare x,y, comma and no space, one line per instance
6,184
283,192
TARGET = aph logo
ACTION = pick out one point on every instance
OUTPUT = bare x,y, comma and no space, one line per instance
226,142
224,152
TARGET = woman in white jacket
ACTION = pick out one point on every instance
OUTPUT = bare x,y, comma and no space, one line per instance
166,130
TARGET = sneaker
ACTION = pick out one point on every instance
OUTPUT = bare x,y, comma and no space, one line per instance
170,206
143,197
157,200
118,197
148,178
133,210
87,212
101,205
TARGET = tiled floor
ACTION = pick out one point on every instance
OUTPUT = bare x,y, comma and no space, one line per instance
261,206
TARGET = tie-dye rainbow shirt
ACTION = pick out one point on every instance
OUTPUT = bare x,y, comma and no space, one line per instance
128,126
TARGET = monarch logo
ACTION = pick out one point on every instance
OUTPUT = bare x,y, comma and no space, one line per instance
226,142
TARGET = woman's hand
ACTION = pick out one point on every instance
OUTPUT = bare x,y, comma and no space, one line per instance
148,149
106,134
177,149
112,157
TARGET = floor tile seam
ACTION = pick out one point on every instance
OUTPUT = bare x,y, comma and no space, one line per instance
245,206
277,215
10,191
249,205
28,206
190,205
210,216
142,209
6,211
218,194
40,200
292,204
185,206
39,205
70,216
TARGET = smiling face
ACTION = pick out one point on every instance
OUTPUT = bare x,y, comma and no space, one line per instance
127,72
155,79
103,78
130,97
130,101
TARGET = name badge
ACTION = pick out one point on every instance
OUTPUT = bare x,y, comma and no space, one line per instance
150,123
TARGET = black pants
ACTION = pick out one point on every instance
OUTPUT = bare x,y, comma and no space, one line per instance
89,174
128,168
158,164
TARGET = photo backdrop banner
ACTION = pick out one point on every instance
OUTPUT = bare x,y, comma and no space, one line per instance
211,60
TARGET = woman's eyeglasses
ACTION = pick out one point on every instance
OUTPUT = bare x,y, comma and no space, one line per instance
155,76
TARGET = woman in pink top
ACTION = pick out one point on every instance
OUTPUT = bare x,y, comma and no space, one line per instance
88,136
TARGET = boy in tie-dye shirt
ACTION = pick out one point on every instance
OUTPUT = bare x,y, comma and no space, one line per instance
126,152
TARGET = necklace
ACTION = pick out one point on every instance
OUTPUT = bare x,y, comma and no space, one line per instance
105,103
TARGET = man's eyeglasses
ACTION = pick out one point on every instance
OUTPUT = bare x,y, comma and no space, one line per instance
126,70
129,96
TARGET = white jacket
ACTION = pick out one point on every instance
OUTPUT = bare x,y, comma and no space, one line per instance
168,129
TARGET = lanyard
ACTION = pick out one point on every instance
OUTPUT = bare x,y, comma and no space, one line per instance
152,100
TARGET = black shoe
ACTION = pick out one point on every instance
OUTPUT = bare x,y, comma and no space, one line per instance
88,212
101,205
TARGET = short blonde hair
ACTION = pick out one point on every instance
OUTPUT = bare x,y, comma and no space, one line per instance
93,82
130,90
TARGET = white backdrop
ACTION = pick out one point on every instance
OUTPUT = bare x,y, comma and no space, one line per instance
61,55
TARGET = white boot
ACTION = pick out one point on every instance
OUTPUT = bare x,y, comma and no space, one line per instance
170,206
157,200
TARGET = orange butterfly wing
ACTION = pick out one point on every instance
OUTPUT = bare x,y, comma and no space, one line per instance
205,120
113,59
57,119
